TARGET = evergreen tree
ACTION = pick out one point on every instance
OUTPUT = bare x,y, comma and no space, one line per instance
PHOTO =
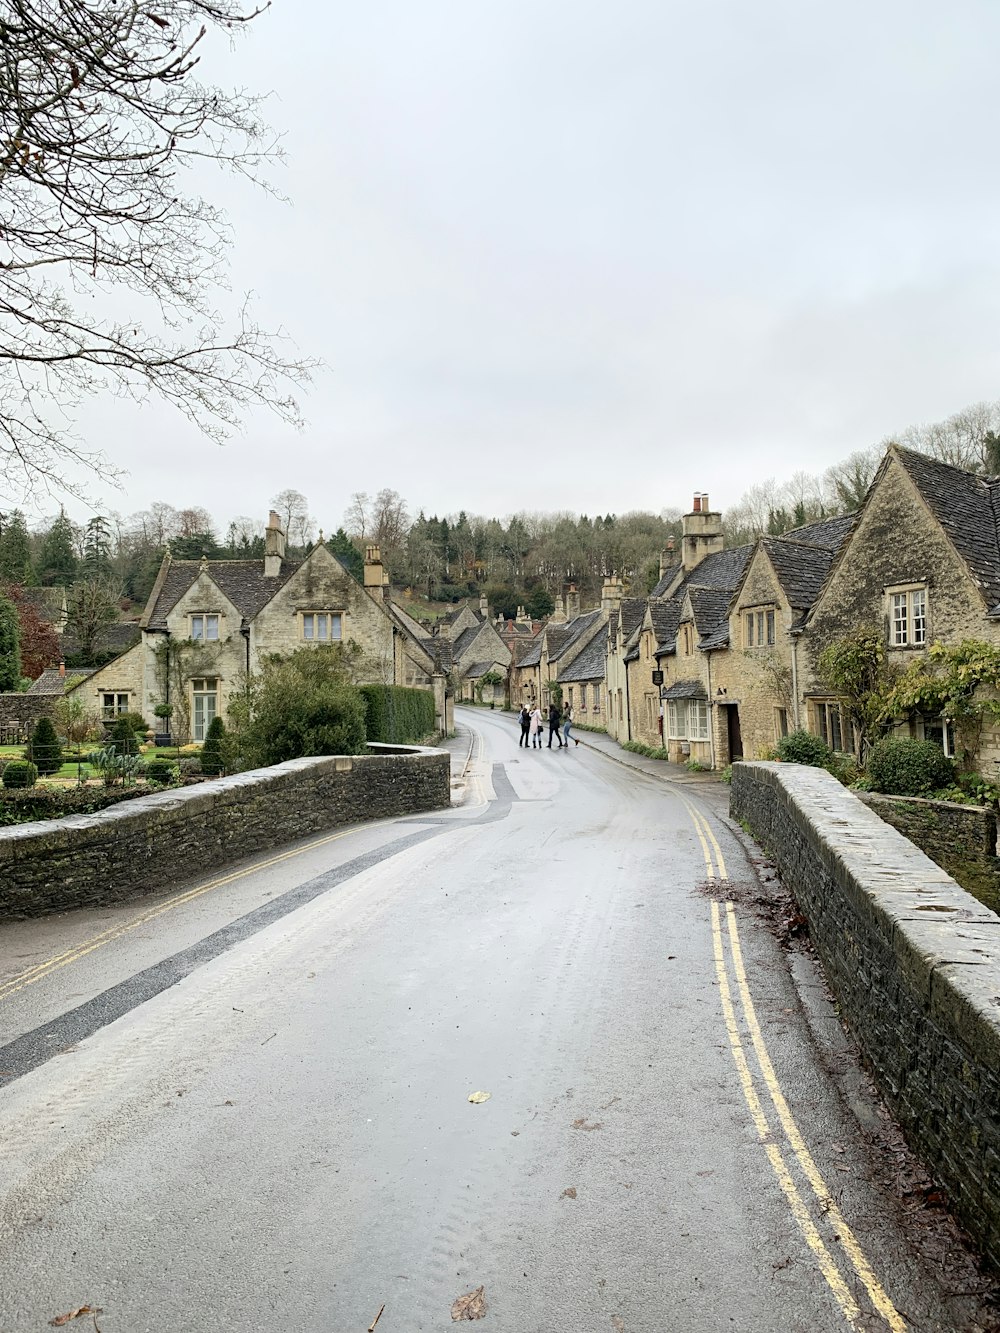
123,737
57,564
10,646
15,551
44,749
97,547
347,553
212,760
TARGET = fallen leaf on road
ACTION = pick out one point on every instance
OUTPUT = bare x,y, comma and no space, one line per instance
472,1306
568,1193
61,1319
478,1097
618,1323
582,1124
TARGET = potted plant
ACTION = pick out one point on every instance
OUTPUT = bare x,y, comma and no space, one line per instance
163,714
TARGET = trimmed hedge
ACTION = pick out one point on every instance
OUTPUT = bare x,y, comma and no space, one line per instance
20,773
802,747
397,715
903,767
23,807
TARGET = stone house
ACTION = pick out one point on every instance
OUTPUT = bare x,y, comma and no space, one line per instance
555,657
208,625
922,563
622,625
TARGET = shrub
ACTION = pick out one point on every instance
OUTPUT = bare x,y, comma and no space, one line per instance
44,749
844,768
20,773
300,705
802,747
212,760
397,715
188,767
23,807
160,772
899,766
123,739
137,722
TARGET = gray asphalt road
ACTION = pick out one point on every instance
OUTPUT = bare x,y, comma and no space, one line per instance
246,1106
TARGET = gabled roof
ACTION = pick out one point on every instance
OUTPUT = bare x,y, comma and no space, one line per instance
575,630
966,508
710,608
828,532
466,639
243,582
801,569
589,662
534,654
632,611
665,617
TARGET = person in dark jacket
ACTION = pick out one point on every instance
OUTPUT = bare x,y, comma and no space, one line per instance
525,720
555,721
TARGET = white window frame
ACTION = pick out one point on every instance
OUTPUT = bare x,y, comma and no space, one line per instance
687,720
321,626
907,611
947,729
205,626
115,709
205,688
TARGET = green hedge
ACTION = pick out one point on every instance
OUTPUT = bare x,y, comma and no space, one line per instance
395,715
899,766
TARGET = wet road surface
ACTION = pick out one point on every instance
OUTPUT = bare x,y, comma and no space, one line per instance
245,1106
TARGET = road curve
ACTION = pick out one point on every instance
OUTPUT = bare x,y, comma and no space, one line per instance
246,1105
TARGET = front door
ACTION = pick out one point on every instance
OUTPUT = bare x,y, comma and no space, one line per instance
206,693
733,732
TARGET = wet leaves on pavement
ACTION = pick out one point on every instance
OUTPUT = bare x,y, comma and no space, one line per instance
471,1306
70,1315
569,1193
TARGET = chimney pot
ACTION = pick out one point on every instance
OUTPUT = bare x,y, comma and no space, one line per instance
62,670
696,506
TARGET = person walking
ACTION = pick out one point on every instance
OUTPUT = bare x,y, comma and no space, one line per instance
567,723
524,718
535,727
555,717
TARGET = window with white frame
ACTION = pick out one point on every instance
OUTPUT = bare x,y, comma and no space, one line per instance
114,704
204,626
687,720
596,692
322,626
908,617
205,705
941,731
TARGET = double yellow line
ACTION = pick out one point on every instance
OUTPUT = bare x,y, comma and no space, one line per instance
61,960
784,1137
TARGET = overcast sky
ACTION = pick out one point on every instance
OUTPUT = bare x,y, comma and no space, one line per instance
570,255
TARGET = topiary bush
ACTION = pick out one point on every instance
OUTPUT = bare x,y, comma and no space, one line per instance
160,772
20,773
44,749
899,766
123,738
802,747
212,757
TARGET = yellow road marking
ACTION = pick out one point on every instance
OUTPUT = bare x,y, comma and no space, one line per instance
705,832
846,1237
709,867
59,961
800,1212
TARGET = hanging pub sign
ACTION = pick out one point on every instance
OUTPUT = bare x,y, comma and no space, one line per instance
657,677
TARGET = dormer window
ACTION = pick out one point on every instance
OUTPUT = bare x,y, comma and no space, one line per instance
908,617
322,626
205,626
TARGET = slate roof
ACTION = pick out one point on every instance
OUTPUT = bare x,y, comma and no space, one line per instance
801,569
589,662
967,507
478,669
534,654
710,607
665,616
50,681
575,631
685,689
632,611
465,640
828,532
242,581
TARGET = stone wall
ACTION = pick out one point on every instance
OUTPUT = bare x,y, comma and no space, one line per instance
24,710
172,836
914,961
961,839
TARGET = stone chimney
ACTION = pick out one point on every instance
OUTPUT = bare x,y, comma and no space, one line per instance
702,529
572,602
375,579
484,606
668,557
611,594
522,617
558,616
274,546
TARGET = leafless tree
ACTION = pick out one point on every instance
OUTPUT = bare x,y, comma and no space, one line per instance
357,516
101,112
92,605
296,521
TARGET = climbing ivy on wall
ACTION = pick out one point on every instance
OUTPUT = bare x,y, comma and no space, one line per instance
958,681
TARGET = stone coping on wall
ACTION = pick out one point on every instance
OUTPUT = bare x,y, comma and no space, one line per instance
143,844
914,961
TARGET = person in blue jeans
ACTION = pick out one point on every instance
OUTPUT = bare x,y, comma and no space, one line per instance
567,723
555,721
